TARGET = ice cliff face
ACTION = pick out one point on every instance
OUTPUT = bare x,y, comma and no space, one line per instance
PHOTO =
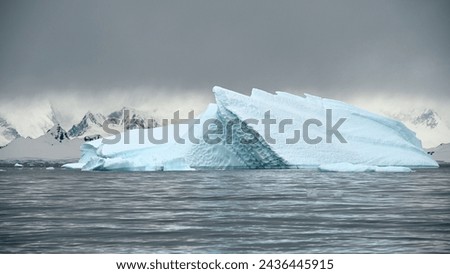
263,131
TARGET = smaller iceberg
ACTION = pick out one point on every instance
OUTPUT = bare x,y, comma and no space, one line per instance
348,167
18,165
73,165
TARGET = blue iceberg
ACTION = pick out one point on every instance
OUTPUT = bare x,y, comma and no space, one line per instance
263,130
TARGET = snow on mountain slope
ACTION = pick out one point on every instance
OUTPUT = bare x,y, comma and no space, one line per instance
31,121
53,145
57,144
127,118
440,153
7,132
90,125
58,133
427,124
371,139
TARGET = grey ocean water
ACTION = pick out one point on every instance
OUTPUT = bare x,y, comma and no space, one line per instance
235,211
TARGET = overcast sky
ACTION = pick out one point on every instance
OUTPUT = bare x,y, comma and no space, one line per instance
92,54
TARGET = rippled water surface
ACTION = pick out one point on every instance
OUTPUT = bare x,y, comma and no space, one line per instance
236,211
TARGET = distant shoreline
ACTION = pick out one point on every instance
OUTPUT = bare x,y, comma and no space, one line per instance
60,162
36,162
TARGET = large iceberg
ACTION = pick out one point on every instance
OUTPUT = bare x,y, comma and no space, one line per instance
263,130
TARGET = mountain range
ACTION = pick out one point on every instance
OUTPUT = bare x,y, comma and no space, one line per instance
55,144
59,144
427,124
91,125
7,132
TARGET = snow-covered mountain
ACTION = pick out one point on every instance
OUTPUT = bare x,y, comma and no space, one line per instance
58,133
427,124
7,132
32,121
129,118
55,144
91,126
440,153
427,118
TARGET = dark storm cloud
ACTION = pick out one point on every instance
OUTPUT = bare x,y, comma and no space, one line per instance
328,46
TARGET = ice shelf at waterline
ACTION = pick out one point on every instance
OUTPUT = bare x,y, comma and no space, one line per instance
369,139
